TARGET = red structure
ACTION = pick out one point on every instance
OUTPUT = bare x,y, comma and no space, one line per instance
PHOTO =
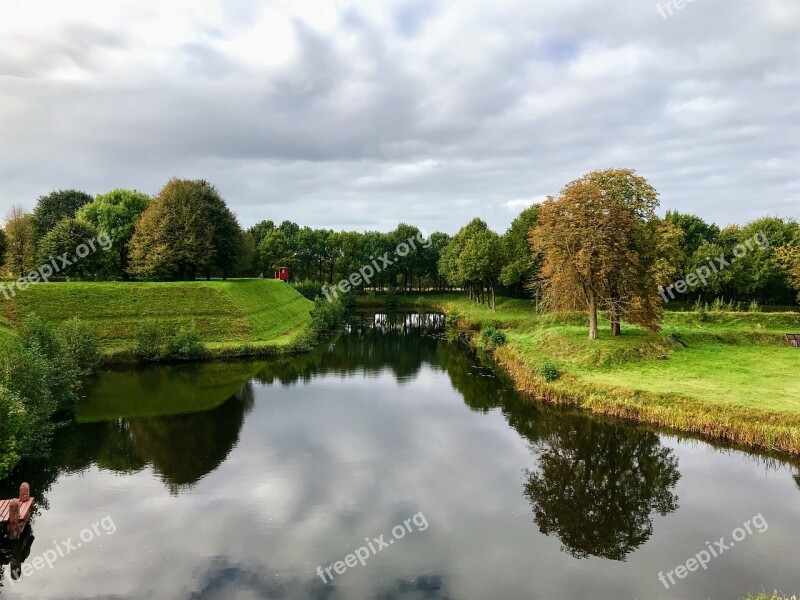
14,513
282,273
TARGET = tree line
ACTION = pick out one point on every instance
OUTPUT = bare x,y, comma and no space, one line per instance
597,245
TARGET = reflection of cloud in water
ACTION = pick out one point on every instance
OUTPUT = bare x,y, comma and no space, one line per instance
425,587
222,580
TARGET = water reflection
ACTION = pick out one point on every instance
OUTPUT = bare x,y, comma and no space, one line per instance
13,553
381,428
596,486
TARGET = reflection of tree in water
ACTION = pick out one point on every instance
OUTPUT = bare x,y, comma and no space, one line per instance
597,485
372,343
181,448
185,448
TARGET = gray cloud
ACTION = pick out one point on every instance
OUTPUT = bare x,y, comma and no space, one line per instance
359,115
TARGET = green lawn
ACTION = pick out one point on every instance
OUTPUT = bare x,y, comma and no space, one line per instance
227,314
735,379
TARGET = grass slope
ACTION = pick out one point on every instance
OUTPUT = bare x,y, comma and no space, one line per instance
228,315
735,380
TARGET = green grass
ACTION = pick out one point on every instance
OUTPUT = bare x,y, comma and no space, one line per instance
256,313
735,379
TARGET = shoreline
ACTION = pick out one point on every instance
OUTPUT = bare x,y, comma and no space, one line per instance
775,432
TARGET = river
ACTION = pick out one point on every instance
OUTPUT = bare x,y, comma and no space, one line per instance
249,479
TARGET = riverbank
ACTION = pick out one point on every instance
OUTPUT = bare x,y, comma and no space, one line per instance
729,377
231,318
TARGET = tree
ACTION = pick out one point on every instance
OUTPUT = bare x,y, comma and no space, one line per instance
66,238
188,230
116,214
521,266
54,207
473,259
696,231
173,239
20,242
273,251
603,246
227,235
649,249
576,238
788,260
2,248
246,261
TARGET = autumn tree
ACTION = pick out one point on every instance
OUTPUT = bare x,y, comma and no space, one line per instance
54,207
576,239
651,253
173,238
20,242
116,214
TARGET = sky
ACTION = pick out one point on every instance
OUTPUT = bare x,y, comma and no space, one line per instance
356,114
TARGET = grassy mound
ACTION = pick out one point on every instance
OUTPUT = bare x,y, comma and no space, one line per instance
228,315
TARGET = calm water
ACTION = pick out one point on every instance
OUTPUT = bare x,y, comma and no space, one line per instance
237,480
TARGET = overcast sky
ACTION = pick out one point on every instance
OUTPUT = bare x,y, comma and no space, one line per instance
356,114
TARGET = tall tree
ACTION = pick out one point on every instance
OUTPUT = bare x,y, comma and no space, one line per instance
173,239
576,237
473,259
66,238
274,251
2,248
521,266
696,231
649,250
20,242
116,214
57,205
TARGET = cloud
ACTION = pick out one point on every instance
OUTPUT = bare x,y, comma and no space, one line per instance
360,115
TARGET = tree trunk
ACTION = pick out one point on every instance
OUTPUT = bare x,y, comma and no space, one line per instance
592,317
615,318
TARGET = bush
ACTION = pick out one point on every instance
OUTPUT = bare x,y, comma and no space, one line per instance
183,343
492,338
155,342
77,340
41,372
148,342
310,290
549,372
326,316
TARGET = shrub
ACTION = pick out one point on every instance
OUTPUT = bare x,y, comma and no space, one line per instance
79,344
148,341
183,343
310,290
549,372
754,307
155,342
492,338
41,372
326,316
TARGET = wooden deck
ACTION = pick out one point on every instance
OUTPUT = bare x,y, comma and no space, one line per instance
793,339
15,513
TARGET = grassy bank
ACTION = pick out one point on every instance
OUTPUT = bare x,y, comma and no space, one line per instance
733,380
231,317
